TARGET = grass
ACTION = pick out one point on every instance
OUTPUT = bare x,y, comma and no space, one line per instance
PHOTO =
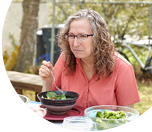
145,93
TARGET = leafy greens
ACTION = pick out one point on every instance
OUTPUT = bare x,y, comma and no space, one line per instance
54,96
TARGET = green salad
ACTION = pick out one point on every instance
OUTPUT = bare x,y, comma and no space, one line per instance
54,96
109,119
111,114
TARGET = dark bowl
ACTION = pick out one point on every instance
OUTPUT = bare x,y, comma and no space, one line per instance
58,106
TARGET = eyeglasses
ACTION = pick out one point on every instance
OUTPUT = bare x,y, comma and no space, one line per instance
80,37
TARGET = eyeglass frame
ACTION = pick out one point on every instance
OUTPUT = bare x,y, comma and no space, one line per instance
77,36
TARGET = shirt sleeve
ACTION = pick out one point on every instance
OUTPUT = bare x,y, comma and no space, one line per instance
126,87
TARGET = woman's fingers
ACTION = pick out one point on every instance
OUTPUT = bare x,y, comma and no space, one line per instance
44,71
47,64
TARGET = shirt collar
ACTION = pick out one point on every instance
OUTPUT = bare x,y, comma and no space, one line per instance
78,61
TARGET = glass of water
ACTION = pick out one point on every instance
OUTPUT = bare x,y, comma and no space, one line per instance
78,123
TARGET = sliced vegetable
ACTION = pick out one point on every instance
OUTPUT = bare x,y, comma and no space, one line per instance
53,98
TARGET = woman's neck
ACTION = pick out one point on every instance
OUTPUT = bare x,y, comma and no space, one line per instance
87,66
89,62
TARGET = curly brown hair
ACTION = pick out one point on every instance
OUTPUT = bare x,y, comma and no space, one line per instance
103,47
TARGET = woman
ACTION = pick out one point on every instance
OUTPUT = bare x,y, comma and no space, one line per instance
90,65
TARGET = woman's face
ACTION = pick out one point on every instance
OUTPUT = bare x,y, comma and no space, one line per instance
83,48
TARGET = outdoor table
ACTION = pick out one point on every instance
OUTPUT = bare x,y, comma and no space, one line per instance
34,103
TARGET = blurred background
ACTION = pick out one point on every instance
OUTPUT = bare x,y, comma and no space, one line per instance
31,26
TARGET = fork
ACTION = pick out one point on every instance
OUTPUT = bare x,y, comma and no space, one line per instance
55,83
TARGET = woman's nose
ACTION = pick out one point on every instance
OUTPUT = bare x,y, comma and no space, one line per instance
76,42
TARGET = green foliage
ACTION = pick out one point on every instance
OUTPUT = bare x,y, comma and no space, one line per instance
63,11
122,19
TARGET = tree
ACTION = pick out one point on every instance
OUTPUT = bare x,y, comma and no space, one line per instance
29,27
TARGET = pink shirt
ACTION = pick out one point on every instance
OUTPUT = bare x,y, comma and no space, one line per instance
119,88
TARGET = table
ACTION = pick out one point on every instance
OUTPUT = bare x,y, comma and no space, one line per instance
77,125
34,103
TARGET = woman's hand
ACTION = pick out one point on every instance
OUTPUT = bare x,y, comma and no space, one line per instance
45,75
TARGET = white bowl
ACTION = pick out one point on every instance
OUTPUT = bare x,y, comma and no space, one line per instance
24,98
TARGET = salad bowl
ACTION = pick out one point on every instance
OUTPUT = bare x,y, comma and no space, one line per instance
58,106
111,116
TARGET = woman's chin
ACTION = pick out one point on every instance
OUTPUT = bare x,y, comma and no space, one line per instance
77,56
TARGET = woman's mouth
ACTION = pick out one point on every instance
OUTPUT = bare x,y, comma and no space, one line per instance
76,50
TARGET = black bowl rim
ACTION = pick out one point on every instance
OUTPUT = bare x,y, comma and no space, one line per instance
58,100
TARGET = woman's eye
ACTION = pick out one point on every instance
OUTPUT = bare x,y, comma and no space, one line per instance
71,36
83,36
